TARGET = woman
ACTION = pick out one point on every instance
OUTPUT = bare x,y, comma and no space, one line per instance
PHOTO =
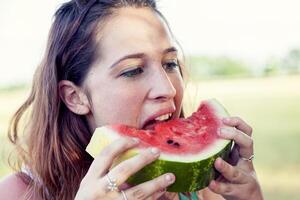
107,62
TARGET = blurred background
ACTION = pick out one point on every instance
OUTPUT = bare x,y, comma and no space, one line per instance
246,54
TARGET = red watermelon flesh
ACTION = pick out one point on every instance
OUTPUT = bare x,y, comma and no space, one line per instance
179,136
189,147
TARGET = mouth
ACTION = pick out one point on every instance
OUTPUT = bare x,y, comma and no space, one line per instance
155,119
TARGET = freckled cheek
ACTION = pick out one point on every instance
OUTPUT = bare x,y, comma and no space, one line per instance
119,107
179,87
180,91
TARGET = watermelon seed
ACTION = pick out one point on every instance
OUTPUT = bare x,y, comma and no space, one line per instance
170,141
176,144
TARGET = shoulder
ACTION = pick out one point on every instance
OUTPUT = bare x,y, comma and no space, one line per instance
12,187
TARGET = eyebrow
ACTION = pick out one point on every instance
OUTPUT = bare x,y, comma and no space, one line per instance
141,55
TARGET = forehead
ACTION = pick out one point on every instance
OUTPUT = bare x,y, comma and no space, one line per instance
133,30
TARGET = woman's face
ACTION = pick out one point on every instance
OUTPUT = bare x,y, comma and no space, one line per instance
137,77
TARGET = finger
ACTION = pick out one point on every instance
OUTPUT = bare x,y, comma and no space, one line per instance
230,173
155,196
239,124
104,160
224,189
244,141
158,194
150,188
125,169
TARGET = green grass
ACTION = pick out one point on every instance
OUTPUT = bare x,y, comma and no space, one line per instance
271,105
10,99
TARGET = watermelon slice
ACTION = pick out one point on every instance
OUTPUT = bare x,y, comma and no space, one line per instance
189,147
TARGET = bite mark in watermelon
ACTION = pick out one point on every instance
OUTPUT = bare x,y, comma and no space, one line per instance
189,147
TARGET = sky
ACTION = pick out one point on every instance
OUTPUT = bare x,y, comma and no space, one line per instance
250,30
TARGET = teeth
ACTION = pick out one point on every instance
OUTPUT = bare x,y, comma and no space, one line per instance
163,117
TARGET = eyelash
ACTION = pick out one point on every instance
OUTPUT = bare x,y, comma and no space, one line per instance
168,66
171,66
133,72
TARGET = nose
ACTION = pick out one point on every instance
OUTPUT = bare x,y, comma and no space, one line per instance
162,87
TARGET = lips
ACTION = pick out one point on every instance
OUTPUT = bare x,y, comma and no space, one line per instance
158,117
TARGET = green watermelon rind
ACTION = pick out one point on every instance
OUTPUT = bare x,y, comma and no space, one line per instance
200,172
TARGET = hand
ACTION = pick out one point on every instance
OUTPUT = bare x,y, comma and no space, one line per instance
95,184
238,180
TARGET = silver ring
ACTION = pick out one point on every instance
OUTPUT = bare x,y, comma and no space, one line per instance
248,159
124,195
112,185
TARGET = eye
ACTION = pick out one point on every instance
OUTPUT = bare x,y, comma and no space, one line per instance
132,72
171,65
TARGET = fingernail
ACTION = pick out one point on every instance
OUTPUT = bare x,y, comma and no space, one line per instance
162,190
136,140
219,162
154,150
223,131
169,178
220,132
226,119
213,184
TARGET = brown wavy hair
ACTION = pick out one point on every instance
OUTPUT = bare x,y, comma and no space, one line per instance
50,140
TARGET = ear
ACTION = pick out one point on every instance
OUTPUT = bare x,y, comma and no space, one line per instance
74,97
